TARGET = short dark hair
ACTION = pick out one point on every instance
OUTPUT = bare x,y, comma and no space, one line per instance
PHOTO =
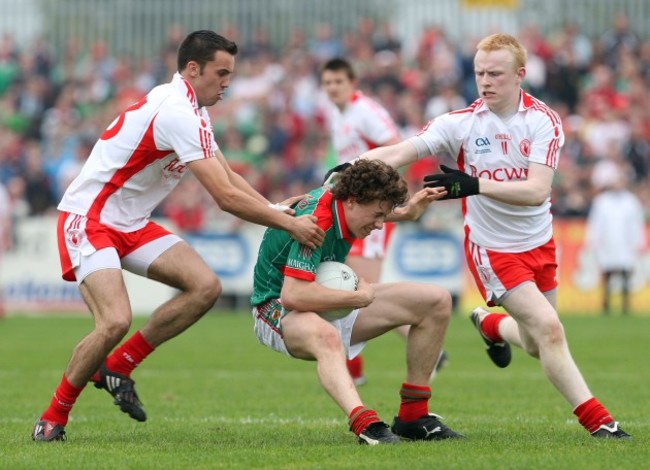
200,47
338,64
367,181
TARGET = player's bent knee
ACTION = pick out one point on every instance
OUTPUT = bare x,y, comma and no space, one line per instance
115,328
308,336
441,304
551,332
207,291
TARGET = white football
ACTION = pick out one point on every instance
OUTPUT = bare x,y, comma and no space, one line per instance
335,275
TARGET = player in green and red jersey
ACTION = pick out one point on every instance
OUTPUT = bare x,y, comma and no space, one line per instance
286,301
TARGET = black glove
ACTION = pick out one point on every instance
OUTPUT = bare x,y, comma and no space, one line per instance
337,169
457,183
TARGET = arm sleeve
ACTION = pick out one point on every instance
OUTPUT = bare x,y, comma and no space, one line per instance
302,262
438,136
548,138
378,127
188,133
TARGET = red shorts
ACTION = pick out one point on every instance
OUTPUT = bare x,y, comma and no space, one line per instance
374,245
496,273
79,236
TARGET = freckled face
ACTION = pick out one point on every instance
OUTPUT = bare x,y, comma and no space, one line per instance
364,218
498,80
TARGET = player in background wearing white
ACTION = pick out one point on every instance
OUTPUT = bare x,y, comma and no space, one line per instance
615,232
507,144
104,225
358,123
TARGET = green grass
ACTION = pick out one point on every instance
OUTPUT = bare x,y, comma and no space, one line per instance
217,399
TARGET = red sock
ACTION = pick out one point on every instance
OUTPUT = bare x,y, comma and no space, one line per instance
361,417
355,366
591,414
490,326
64,397
415,401
129,355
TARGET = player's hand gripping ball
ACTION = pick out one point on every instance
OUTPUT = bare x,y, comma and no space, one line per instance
335,275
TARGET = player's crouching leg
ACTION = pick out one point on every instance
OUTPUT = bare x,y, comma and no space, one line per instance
429,307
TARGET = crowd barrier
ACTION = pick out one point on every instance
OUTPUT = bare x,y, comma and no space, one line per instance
32,284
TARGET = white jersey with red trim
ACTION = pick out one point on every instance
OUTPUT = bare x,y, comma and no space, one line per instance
363,125
141,157
487,146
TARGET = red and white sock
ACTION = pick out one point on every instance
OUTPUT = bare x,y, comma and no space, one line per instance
62,401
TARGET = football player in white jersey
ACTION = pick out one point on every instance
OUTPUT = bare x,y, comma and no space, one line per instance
357,123
104,225
507,144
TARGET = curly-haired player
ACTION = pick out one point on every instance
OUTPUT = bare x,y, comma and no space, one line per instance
286,301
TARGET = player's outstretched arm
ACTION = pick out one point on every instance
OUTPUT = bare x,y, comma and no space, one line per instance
531,192
417,204
212,175
397,155
237,180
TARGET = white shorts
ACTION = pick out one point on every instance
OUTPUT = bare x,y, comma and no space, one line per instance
267,328
86,246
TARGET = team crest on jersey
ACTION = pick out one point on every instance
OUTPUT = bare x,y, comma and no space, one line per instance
74,237
524,147
484,273
304,202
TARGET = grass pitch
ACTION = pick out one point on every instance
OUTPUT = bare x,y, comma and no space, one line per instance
215,398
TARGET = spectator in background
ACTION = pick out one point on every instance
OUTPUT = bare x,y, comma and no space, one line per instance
6,234
324,45
618,37
39,192
615,231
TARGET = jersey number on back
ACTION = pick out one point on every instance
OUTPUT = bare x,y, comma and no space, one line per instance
113,131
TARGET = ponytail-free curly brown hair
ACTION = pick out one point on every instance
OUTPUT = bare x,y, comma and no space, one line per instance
367,181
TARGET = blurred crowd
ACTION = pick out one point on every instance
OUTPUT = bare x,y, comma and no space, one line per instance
55,104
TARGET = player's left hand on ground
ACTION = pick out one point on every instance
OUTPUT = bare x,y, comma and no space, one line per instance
331,173
456,183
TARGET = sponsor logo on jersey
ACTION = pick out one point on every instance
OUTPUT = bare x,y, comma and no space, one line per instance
173,169
500,174
302,265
